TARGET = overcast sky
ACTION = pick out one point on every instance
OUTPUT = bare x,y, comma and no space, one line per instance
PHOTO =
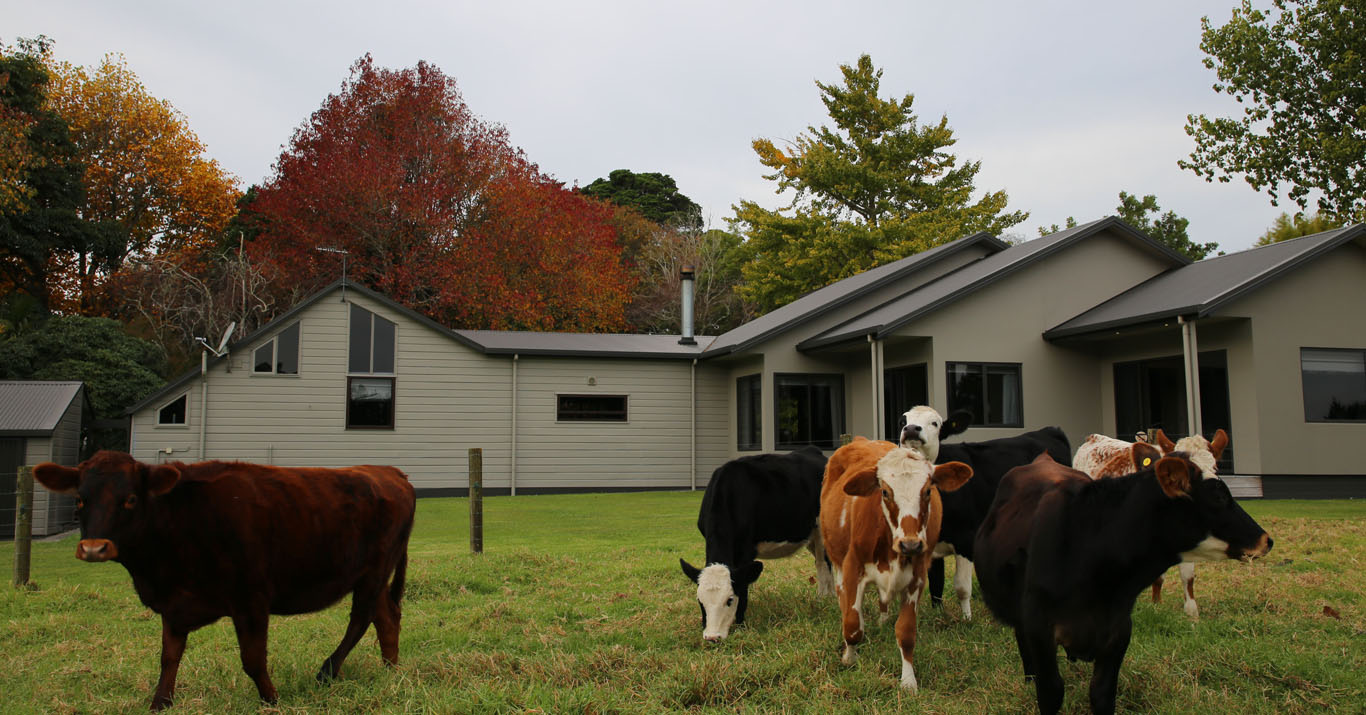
1065,103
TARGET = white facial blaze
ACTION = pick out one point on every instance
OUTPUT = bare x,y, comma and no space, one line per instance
905,472
718,599
929,421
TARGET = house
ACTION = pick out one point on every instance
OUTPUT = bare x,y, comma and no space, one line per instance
40,421
1092,329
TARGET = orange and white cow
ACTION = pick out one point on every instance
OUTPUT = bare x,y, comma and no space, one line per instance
1101,456
880,517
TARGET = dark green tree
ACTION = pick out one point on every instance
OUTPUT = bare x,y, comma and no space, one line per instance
1166,228
1287,227
1299,76
654,195
876,187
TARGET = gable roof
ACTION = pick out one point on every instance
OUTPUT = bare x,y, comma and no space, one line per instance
841,293
1202,288
32,408
884,319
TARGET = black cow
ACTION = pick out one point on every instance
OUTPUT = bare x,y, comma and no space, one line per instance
763,506
964,509
1062,558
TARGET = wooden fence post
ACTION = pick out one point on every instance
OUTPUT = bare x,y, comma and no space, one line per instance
476,500
23,524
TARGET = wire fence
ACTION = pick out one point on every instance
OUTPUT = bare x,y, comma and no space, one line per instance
53,514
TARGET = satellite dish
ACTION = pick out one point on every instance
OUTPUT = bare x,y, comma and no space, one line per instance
223,343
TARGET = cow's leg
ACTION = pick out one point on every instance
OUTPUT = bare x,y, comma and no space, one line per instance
851,605
363,602
172,648
1037,637
936,582
1026,654
741,603
1188,582
1157,589
962,585
252,626
825,581
1105,677
387,619
905,637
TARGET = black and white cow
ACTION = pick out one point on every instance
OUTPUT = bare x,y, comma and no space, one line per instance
1061,558
763,506
965,508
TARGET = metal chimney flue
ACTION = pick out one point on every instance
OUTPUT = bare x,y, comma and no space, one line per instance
687,275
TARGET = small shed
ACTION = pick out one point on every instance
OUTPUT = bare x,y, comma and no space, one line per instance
40,421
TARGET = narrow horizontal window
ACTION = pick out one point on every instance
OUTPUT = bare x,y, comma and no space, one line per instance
590,408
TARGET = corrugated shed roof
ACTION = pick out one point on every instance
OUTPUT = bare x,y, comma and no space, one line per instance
1201,288
840,293
32,408
509,342
972,277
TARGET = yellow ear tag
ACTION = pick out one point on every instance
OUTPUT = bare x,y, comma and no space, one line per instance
1147,461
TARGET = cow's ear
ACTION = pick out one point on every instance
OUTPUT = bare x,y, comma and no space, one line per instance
949,476
57,478
1220,441
1164,442
747,574
692,572
862,484
1174,477
957,423
1145,455
161,478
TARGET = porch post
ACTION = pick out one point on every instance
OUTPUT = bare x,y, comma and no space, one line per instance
1191,356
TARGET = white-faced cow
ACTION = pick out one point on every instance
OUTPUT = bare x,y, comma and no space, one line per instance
762,506
880,515
922,428
964,509
1061,558
1101,456
213,539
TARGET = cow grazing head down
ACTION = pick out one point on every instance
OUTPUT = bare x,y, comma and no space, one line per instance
113,492
923,427
719,590
902,480
1210,518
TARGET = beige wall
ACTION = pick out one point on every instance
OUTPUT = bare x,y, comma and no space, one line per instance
63,447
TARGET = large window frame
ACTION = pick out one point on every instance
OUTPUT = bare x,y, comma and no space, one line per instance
284,345
1341,373
792,428
371,358
749,413
359,415
982,406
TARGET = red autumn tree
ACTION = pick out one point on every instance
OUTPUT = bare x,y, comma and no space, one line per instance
436,209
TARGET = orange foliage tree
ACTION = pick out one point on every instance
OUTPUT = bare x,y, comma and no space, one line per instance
436,209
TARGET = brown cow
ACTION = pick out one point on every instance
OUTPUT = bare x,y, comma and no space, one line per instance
880,513
1101,457
213,539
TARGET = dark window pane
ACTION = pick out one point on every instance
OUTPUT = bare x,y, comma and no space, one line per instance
287,351
749,415
384,345
596,408
264,358
990,391
359,348
1334,384
370,402
809,410
174,413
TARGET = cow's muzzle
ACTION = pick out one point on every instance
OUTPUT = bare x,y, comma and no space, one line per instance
1261,549
94,550
910,547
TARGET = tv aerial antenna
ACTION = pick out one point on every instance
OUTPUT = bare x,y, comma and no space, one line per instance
344,255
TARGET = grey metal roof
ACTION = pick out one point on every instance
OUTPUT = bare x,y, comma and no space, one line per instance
886,318
32,408
840,293
510,342
1202,288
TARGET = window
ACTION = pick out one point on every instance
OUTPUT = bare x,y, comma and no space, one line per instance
371,346
174,412
809,410
749,412
1334,384
370,402
990,391
590,408
280,355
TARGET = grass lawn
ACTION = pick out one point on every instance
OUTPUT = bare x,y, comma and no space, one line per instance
578,605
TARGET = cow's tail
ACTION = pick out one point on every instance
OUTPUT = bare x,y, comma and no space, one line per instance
400,576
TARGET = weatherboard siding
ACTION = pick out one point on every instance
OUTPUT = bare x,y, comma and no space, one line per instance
52,511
